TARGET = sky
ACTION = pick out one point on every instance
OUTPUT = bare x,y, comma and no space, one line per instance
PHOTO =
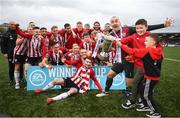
58,12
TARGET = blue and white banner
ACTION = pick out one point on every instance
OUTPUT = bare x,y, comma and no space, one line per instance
38,77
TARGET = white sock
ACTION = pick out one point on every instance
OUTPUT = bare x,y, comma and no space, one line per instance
50,85
16,76
61,96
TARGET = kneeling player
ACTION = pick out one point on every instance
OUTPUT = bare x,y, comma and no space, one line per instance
54,56
79,82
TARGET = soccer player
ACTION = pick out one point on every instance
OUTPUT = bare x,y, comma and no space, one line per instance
87,28
69,36
79,82
107,26
77,63
35,44
74,53
97,27
20,53
79,29
87,43
152,57
47,42
54,56
55,36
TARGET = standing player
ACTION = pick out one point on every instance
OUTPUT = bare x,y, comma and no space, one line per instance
44,34
20,53
79,29
79,82
55,36
35,45
87,28
97,27
69,36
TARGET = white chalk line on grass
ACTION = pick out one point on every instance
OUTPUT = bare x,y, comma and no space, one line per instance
169,59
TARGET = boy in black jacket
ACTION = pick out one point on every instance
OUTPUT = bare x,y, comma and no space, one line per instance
152,59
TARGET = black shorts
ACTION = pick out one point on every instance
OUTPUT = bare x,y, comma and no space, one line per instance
68,83
129,69
126,66
19,59
34,61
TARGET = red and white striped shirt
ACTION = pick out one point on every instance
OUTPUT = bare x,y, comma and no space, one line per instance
46,46
55,57
73,55
82,77
88,46
21,49
59,39
112,55
34,44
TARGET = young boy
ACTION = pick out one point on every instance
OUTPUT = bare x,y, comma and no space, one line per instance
79,82
137,41
152,57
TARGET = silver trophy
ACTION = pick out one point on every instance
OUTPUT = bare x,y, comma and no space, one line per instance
106,47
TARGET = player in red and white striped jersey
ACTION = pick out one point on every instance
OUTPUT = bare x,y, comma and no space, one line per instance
47,42
77,63
35,44
19,58
88,43
78,82
54,56
73,54
56,36
79,30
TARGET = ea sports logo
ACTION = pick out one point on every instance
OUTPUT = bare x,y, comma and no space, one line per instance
37,78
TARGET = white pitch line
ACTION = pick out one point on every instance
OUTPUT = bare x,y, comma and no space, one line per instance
172,59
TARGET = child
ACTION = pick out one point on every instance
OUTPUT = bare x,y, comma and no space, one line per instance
78,82
137,41
152,59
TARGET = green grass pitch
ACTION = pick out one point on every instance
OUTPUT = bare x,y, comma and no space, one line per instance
19,103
